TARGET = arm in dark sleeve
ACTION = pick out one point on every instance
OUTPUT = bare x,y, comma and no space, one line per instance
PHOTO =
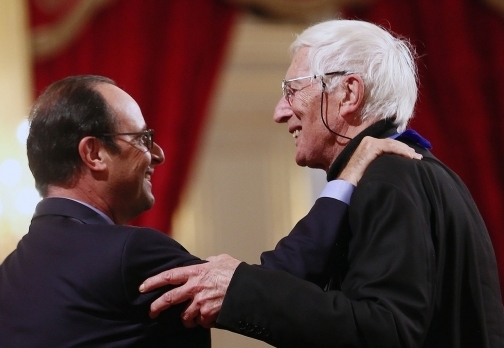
312,249
284,311
148,252
385,299
308,252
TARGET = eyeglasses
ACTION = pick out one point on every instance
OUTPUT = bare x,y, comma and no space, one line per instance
289,92
146,137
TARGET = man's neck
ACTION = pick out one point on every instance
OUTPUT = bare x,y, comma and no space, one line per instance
86,196
352,132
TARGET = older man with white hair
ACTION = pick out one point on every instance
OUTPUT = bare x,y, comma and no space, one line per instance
415,268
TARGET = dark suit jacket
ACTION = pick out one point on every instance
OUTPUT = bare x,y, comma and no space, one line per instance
73,282
313,248
420,270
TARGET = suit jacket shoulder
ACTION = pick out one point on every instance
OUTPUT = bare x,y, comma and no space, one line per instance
78,276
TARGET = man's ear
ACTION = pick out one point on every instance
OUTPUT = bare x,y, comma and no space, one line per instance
92,153
353,97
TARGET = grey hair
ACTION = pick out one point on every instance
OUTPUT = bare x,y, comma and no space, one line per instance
386,65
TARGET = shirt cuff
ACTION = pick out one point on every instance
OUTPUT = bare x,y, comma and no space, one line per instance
338,189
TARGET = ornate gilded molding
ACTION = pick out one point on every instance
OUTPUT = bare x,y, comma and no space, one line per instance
298,10
50,39
497,5
316,10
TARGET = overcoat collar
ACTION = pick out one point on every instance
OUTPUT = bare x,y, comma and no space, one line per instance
380,129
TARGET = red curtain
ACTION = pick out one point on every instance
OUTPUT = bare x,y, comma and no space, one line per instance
461,104
166,55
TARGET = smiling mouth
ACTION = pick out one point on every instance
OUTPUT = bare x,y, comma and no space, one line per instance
295,134
148,175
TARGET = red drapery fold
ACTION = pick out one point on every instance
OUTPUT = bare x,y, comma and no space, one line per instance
461,104
166,55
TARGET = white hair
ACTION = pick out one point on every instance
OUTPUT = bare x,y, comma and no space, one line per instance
386,65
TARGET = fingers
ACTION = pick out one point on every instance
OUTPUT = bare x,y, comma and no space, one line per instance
208,320
204,284
399,148
170,298
173,276
190,315
202,311
368,150
371,148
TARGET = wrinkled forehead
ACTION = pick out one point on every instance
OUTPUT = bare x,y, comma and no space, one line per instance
299,65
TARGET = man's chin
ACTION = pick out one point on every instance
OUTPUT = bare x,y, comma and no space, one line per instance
304,161
148,201
151,201
301,162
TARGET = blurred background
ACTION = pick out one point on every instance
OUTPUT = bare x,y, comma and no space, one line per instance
207,75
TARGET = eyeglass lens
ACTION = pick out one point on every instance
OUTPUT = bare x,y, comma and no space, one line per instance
148,138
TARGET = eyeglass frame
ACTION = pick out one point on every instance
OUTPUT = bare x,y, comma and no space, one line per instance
285,82
338,73
148,133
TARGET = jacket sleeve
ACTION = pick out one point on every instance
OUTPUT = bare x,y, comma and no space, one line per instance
385,297
148,252
310,249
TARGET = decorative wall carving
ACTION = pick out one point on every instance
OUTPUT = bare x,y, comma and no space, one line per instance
298,10
70,17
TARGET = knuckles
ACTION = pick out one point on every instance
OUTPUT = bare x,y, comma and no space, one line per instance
166,276
166,298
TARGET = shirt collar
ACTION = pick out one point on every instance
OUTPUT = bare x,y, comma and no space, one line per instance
109,220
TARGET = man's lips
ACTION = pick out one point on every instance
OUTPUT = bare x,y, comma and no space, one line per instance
148,174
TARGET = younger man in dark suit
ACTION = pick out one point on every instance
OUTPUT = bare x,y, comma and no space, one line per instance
73,279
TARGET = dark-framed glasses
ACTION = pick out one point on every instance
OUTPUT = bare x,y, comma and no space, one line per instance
146,137
289,92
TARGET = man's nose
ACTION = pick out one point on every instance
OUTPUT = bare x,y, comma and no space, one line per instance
157,154
283,111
